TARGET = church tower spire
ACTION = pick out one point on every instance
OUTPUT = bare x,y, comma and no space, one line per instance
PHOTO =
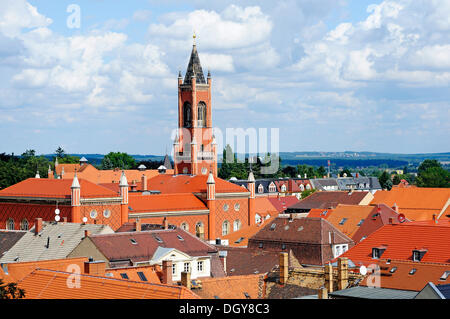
194,153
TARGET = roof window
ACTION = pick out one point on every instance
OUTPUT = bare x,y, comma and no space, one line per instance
159,240
412,271
239,240
393,269
180,238
377,252
272,227
246,295
133,241
445,275
142,276
360,222
418,254
342,222
124,276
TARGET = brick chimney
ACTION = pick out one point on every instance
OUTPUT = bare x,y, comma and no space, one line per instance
92,267
138,224
144,182
342,273
87,233
38,226
167,272
284,268
391,220
165,223
322,293
223,258
186,279
395,207
329,277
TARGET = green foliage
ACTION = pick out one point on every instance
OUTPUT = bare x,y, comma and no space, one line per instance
69,159
11,291
60,153
432,174
345,171
396,179
383,179
307,192
118,160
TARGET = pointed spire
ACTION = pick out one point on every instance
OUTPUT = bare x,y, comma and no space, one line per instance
123,180
167,162
37,175
194,68
251,177
75,183
210,178
56,161
49,169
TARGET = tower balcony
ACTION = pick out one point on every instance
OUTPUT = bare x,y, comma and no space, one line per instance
205,155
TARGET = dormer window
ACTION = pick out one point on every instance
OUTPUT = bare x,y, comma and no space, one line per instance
272,188
360,222
283,188
377,252
260,189
445,275
418,254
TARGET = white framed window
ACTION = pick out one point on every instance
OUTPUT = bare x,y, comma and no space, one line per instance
10,224
260,189
272,188
225,228
283,188
24,224
236,225
226,207
184,226
106,213
308,187
187,267
200,266
174,269
237,207
257,218
93,214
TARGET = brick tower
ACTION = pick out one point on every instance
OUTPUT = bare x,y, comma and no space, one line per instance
195,149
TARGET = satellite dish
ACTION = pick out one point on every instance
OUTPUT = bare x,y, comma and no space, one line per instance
401,218
57,211
84,219
363,270
57,218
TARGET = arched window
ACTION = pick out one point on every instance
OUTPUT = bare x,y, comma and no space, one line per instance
24,224
184,226
236,225
10,224
187,115
201,114
257,218
225,228
260,189
283,188
302,188
308,187
272,188
199,230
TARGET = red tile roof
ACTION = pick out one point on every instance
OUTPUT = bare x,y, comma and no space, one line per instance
400,240
235,287
283,202
416,203
55,188
320,213
152,273
165,203
353,215
50,284
243,234
396,275
167,184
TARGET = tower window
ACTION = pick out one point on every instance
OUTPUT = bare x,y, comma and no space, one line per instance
201,118
187,115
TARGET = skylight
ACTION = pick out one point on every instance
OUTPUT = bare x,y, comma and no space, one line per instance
393,269
360,222
124,276
142,276
180,238
412,271
239,240
133,241
342,222
445,275
159,240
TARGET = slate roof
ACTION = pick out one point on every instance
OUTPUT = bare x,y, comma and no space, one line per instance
167,163
51,284
444,290
8,238
194,68
329,199
61,237
361,292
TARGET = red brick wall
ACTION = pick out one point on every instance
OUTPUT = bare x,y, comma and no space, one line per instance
113,221
191,220
19,211
231,215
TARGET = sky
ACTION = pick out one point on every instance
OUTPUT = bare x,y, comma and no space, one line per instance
330,75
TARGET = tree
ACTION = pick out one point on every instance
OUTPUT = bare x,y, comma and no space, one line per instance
321,171
383,179
289,171
396,179
432,174
345,171
118,160
10,291
60,153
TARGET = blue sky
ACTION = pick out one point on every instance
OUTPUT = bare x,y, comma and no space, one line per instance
332,75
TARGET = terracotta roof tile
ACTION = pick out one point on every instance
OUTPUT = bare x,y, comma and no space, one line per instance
348,218
320,213
50,284
55,188
152,273
235,287
240,238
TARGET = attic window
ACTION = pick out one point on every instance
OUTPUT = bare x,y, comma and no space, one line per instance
360,222
272,227
124,276
260,245
159,240
412,271
324,213
133,241
445,275
377,252
418,254
142,276
239,240
393,269
342,222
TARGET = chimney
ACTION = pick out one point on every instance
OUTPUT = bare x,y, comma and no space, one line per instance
167,272
329,277
284,268
86,233
395,207
186,279
144,182
434,218
138,224
165,223
322,293
223,257
92,267
38,226
391,220
342,273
